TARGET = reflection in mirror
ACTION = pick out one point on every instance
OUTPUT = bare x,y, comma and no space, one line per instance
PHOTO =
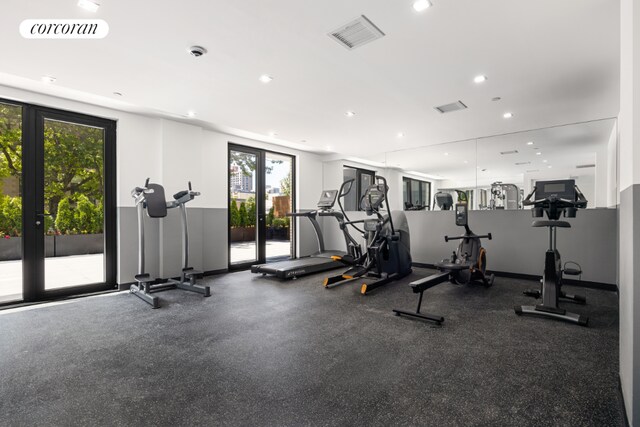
444,174
509,165
499,172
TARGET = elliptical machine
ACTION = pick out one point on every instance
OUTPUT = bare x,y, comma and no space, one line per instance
467,264
387,256
151,198
555,198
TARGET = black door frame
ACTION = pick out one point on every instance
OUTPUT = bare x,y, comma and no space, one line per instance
261,223
33,237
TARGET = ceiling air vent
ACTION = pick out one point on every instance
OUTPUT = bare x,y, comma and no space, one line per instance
356,33
504,153
454,106
585,166
522,163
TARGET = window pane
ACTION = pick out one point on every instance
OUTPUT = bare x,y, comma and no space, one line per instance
10,203
405,193
415,192
73,200
351,199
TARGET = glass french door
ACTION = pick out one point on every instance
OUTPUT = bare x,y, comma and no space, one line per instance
261,189
57,176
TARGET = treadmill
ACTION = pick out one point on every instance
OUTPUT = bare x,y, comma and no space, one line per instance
324,259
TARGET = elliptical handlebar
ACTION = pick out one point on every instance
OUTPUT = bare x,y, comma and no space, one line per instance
486,236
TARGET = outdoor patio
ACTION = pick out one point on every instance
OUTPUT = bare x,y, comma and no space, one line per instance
60,272
246,251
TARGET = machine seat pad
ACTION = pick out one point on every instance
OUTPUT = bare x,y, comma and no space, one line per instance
189,272
142,277
156,204
561,224
572,271
453,266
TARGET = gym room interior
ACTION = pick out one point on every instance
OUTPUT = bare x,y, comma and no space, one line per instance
340,213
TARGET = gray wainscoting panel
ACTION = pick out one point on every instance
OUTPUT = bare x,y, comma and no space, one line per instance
519,248
207,242
307,240
128,244
171,241
215,253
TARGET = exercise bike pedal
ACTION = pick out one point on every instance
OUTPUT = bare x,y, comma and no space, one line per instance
572,271
489,282
578,299
532,293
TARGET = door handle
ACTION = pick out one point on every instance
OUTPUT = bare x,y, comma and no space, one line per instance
41,216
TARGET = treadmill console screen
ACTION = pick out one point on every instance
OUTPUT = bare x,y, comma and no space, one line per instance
327,199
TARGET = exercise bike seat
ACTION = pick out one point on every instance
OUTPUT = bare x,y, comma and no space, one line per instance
572,271
541,223
155,202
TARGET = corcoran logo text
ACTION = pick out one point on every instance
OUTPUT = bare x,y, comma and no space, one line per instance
64,28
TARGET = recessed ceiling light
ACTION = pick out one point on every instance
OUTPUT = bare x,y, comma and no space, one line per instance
544,161
89,5
400,134
327,148
265,78
538,153
549,166
48,79
420,5
350,114
507,115
530,143
191,114
303,140
465,162
446,154
480,79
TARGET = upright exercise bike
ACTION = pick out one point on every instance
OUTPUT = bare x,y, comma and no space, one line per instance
387,255
555,198
467,264
151,198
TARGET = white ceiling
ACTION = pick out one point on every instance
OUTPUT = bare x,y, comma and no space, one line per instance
552,62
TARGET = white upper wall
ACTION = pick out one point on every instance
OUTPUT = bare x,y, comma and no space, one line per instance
172,153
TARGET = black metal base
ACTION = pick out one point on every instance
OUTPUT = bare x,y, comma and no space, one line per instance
138,290
426,316
144,289
187,286
552,312
578,299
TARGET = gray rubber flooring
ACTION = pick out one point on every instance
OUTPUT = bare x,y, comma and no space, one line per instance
264,352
